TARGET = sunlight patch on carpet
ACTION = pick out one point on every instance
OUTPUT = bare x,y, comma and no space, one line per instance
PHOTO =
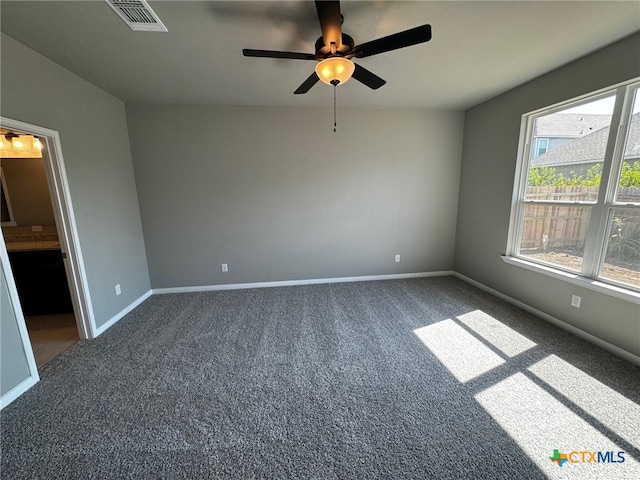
504,338
615,411
541,425
461,353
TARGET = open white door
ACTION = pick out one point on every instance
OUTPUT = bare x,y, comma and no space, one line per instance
15,315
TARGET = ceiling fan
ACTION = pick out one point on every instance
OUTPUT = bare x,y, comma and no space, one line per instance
335,49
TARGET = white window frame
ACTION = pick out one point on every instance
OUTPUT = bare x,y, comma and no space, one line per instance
601,210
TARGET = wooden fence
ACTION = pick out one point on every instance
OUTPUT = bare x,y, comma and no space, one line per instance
558,226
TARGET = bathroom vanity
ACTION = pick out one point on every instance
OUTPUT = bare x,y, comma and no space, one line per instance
39,272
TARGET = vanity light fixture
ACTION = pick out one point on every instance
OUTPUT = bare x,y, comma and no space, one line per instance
19,142
14,140
10,136
19,145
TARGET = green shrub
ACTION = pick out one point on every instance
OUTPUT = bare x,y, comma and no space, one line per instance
630,175
547,177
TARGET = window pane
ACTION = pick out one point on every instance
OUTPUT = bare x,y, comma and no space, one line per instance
622,258
629,178
543,146
555,234
572,161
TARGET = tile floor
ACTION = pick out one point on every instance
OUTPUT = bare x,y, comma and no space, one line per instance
51,335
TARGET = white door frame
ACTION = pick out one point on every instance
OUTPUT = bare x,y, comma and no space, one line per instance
66,226
33,377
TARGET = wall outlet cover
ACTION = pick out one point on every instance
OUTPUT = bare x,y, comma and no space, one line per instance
575,301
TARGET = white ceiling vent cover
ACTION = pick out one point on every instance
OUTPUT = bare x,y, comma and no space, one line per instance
138,15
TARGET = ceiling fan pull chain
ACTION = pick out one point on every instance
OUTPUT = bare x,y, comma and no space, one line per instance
335,122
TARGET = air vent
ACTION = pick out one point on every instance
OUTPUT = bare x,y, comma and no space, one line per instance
138,15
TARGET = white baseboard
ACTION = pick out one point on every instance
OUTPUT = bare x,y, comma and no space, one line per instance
16,391
285,283
556,321
122,313
288,283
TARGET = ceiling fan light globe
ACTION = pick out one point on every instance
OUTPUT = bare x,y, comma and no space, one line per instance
335,69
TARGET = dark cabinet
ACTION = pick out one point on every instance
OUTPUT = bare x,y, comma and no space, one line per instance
41,282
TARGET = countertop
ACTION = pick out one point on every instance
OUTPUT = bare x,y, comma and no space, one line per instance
33,246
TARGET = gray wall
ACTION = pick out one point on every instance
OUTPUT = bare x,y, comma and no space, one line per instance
95,145
13,360
276,195
28,190
486,185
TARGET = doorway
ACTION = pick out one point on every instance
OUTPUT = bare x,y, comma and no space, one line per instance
33,246
41,241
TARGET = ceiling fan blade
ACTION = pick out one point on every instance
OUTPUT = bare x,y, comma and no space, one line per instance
307,84
370,79
247,52
393,42
330,22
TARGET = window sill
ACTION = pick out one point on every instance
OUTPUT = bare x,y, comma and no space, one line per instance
591,284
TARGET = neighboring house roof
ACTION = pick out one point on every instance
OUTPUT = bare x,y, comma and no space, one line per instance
590,148
569,124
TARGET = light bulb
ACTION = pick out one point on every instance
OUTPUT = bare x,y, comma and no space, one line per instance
36,143
17,143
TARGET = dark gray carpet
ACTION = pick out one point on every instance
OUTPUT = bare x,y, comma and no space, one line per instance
317,382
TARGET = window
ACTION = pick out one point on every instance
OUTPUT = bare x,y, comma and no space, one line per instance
542,146
577,206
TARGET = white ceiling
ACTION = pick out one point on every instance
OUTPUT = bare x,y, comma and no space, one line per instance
479,49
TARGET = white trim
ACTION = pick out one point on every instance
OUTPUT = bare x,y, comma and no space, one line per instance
16,391
551,319
33,377
515,225
65,222
288,283
101,329
575,279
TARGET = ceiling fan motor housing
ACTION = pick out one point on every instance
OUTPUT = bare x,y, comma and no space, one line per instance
324,51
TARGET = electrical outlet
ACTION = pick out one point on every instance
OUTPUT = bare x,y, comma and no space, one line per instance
36,228
118,289
575,301
225,268
398,258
